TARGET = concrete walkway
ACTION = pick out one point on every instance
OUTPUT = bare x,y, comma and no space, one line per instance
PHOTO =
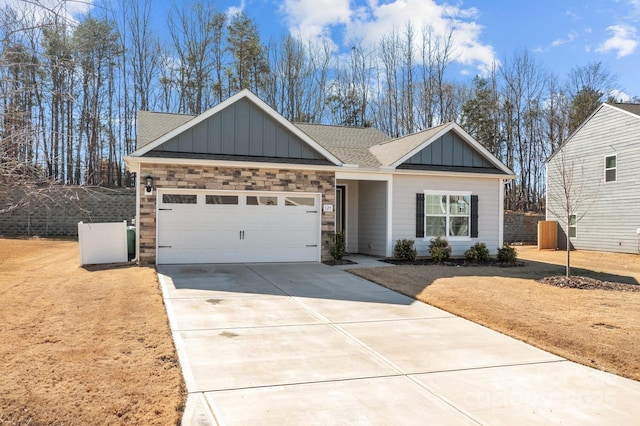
308,344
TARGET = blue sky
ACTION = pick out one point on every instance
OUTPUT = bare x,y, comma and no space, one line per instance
560,34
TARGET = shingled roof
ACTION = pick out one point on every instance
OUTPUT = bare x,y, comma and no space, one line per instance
393,150
350,144
629,107
152,125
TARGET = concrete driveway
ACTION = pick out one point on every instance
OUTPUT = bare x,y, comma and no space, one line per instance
305,344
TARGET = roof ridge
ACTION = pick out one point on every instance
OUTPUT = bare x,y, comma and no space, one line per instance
413,134
168,113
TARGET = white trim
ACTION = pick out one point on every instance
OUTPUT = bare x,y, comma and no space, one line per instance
137,224
223,105
364,175
130,161
453,174
389,250
464,135
621,110
500,214
605,169
447,216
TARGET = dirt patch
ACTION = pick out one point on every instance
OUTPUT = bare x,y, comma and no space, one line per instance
83,345
598,328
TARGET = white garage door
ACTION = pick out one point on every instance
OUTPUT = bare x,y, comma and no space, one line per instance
237,227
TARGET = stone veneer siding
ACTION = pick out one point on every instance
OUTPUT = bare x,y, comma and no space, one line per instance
231,179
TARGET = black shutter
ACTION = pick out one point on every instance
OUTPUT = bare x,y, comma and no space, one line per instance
420,215
474,216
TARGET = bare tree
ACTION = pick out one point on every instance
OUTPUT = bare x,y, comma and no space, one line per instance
568,196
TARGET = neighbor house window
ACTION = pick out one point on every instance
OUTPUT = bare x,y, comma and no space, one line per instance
573,226
447,215
610,168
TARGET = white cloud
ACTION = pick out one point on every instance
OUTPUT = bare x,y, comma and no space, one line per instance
369,20
623,41
559,42
314,18
620,96
234,10
42,10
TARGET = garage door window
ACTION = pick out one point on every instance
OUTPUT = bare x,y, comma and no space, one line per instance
253,200
221,199
299,201
179,199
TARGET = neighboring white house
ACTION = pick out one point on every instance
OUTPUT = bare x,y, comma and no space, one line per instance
240,183
599,168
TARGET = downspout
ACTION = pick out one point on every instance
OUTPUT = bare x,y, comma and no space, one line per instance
137,183
501,213
389,249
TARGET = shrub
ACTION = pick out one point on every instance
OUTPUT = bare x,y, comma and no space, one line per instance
439,249
404,250
337,246
507,254
477,253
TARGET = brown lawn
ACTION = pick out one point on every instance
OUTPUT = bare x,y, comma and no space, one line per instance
598,328
83,346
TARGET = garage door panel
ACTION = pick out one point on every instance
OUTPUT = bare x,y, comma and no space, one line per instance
255,227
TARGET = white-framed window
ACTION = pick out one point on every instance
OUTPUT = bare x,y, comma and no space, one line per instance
611,168
447,215
573,226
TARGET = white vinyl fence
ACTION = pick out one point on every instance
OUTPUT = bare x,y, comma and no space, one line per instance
102,242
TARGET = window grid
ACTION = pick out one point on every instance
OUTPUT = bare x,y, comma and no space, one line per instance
611,168
447,215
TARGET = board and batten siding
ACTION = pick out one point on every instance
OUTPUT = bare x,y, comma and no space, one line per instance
405,188
609,212
372,221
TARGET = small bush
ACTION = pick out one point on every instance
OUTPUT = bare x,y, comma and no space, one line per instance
439,249
477,253
507,254
404,250
337,246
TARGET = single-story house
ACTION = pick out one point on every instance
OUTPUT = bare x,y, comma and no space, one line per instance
240,183
593,182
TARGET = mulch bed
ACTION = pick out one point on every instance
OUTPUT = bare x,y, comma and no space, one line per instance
453,262
333,262
586,283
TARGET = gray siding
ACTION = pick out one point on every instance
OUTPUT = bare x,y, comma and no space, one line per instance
242,129
608,212
372,220
406,187
449,150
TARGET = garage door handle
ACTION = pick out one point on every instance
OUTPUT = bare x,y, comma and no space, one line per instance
164,246
312,211
242,235
165,209
312,245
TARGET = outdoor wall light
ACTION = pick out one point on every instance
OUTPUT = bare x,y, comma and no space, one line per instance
149,183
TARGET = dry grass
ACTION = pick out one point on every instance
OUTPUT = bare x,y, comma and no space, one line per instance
598,328
83,346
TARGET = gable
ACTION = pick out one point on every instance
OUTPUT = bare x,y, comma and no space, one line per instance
241,129
449,152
